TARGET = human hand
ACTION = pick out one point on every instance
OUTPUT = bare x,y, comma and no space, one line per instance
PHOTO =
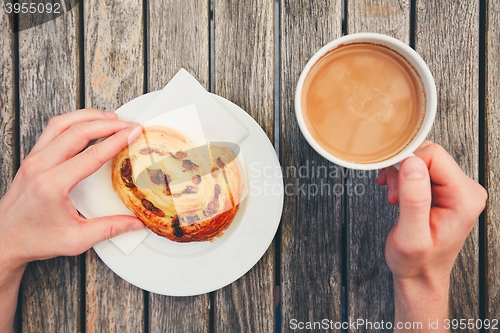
439,205
37,218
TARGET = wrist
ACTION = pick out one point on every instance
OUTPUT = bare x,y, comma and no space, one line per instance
10,269
9,263
425,281
10,259
423,285
11,274
421,300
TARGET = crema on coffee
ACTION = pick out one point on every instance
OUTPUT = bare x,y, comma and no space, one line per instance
363,103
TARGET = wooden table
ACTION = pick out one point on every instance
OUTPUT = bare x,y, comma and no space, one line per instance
328,255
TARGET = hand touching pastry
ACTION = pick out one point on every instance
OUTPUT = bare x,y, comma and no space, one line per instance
37,218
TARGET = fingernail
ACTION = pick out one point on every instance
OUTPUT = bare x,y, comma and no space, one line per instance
414,168
133,124
136,226
110,114
136,131
381,175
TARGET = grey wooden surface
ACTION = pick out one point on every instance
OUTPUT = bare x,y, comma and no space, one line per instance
329,248
244,74
311,239
492,162
48,86
8,158
447,37
370,217
183,42
114,74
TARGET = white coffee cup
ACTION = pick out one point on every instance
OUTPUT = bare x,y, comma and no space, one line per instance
418,64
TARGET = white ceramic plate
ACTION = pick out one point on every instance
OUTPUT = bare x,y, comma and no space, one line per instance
185,269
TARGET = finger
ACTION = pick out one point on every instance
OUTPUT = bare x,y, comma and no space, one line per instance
59,124
392,185
382,177
443,169
469,199
414,192
92,158
94,231
76,138
425,144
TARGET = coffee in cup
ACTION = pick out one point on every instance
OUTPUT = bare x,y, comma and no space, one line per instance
364,103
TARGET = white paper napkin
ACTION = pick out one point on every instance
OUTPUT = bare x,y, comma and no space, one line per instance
218,125
183,104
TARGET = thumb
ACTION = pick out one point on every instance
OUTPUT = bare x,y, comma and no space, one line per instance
102,228
414,190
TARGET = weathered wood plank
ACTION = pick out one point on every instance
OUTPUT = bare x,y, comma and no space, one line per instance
244,74
51,296
7,107
114,74
48,81
177,43
493,161
390,17
8,155
311,249
447,37
370,217
244,57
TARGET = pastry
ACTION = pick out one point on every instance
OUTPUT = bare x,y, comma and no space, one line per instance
181,192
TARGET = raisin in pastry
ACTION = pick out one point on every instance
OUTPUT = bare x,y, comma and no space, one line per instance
181,192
